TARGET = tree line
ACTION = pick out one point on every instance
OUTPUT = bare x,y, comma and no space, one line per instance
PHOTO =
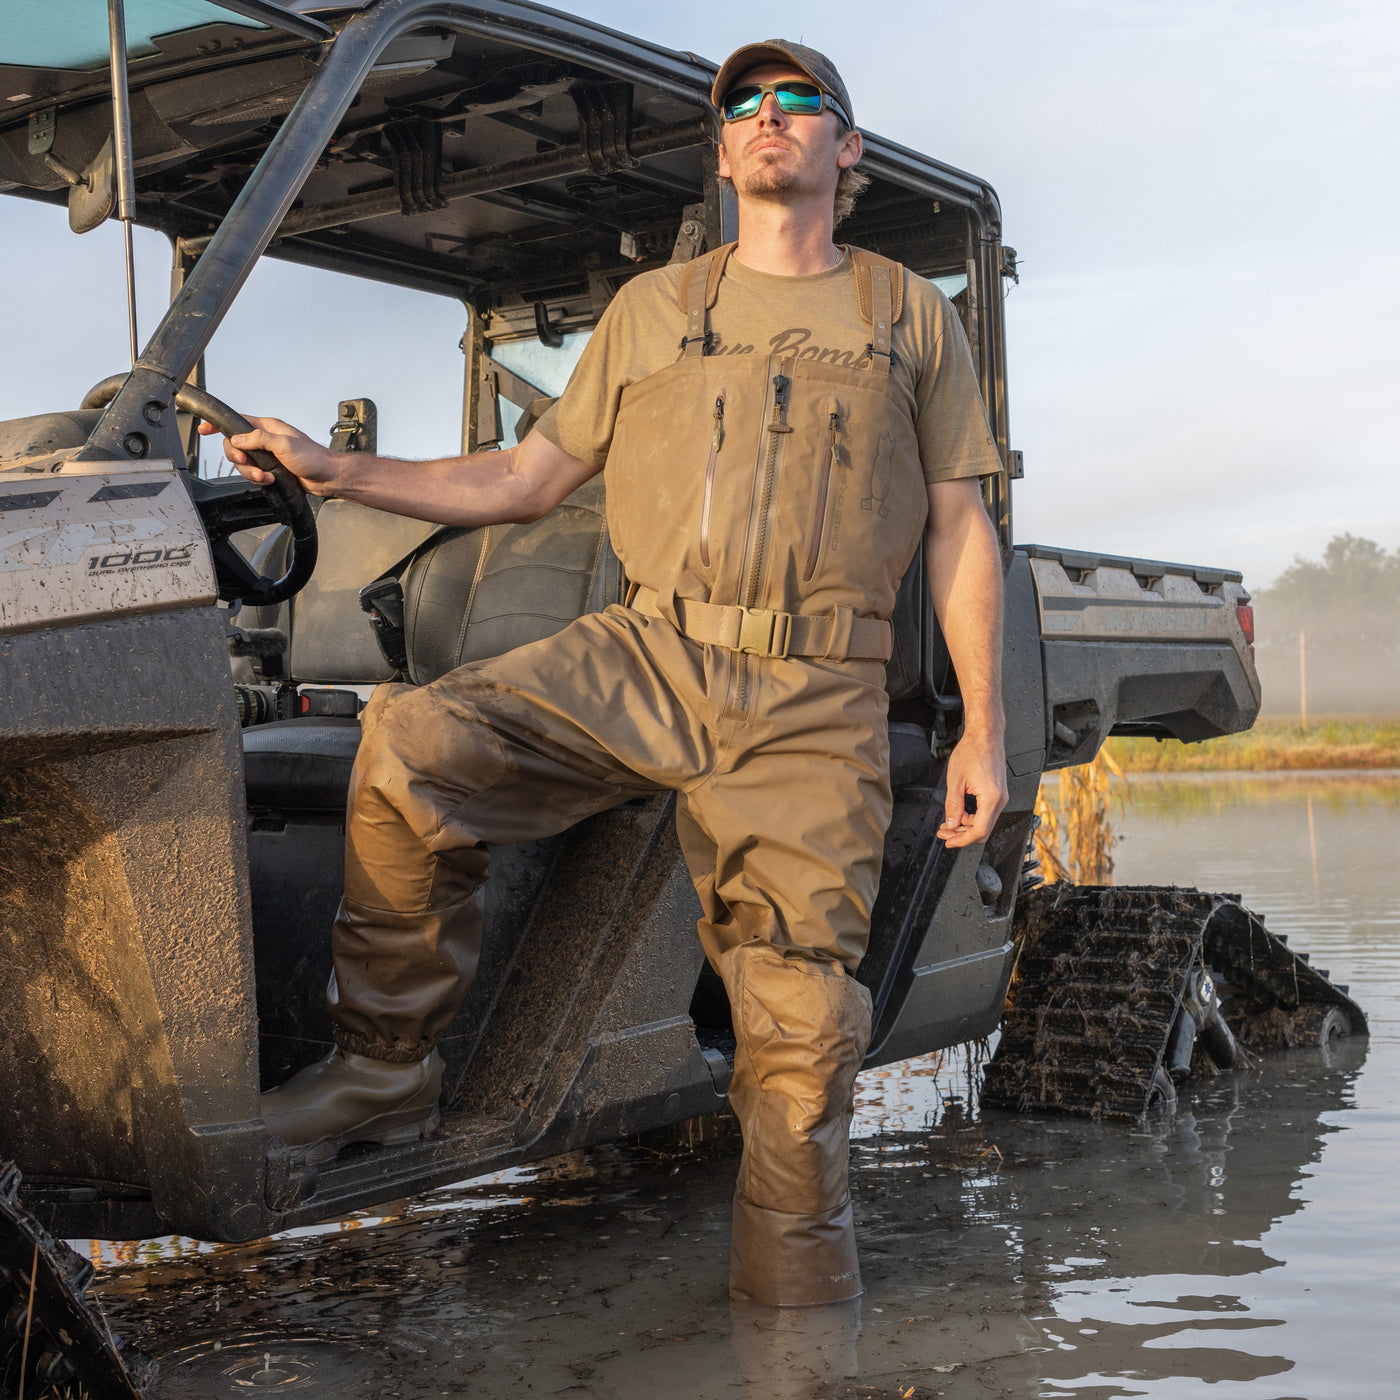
1335,620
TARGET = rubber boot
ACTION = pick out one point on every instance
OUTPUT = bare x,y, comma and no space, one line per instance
349,1098
802,1027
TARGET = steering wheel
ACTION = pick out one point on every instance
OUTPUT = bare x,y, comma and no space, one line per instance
231,504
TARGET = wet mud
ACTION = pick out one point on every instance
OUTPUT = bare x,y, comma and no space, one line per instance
1247,1238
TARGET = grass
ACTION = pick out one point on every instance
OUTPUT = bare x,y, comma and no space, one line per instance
1074,831
1271,745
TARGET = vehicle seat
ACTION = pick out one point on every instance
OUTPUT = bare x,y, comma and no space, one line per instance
332,642
484,592
469,595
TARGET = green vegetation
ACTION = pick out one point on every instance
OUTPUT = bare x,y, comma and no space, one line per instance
1272,744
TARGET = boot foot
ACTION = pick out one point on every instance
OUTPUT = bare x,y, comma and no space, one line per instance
349,1098
793,1261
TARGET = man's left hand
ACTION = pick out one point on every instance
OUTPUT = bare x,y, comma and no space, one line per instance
976,769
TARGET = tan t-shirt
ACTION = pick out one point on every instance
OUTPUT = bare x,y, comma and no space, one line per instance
813,318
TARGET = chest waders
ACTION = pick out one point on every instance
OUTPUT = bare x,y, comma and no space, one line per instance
765,510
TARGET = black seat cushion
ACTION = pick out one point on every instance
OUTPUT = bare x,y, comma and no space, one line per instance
300,764
304,764
482,593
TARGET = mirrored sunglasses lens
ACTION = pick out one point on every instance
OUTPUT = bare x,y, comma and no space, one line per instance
798,99
742,102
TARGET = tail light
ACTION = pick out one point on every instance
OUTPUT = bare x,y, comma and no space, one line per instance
1245,613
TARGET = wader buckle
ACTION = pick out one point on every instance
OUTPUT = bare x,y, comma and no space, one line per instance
764,632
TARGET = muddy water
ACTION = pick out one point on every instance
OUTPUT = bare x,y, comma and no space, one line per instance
1250,1241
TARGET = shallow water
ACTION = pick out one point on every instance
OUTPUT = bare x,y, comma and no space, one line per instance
1248,1242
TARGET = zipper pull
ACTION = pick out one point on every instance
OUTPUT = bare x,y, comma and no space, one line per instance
719,424
781,385
833,433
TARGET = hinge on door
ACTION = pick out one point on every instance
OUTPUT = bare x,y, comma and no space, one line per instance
41,129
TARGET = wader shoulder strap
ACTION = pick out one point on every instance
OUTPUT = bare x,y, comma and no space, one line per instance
880,296
696,295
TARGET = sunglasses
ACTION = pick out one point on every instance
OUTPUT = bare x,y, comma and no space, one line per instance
796,99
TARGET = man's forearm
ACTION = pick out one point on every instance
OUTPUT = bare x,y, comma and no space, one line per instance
964,572
485,488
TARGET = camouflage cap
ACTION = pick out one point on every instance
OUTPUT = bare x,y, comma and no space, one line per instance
817,66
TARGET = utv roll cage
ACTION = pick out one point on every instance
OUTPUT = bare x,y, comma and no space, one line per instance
638,169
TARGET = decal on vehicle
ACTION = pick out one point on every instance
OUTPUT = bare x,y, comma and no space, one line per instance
129,491
28,500
100,543
67,543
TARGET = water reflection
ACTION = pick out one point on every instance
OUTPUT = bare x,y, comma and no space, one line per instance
1248,1240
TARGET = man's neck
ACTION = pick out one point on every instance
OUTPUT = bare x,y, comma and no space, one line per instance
785,240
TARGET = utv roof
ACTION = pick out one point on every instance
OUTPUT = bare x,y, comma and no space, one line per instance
503,152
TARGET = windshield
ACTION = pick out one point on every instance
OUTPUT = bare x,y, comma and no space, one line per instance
42,34
543,367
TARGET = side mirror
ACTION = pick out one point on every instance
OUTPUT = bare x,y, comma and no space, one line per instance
93,196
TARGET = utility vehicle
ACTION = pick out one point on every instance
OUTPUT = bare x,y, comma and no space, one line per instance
168,874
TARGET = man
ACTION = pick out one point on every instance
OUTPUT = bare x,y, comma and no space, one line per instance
764,506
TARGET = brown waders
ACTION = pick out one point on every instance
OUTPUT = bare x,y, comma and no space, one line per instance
766,510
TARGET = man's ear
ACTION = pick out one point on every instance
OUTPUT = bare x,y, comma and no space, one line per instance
723,166
852,148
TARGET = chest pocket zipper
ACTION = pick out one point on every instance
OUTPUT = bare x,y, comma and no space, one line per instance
707,501
831,457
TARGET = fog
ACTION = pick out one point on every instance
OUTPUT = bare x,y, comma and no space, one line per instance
1341,679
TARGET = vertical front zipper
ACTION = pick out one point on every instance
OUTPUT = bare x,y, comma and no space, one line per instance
777,425
715,441
831,456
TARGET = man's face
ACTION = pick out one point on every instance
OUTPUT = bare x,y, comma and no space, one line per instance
777,157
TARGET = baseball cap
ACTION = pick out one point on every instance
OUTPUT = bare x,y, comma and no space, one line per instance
817,66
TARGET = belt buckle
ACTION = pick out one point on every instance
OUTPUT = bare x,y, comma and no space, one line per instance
764,632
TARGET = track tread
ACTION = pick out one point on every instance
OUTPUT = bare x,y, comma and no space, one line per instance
1100,978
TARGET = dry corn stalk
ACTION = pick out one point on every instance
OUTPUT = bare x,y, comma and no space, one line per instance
1074,840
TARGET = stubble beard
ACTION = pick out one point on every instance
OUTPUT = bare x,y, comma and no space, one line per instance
769,180
769,177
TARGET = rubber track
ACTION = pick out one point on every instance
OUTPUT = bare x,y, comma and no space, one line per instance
69,1342
1099,980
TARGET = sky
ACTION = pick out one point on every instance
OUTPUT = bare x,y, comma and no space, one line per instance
1204,348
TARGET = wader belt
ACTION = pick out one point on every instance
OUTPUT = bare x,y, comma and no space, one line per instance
840,636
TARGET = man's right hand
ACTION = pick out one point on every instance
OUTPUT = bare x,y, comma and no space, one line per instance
316,467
